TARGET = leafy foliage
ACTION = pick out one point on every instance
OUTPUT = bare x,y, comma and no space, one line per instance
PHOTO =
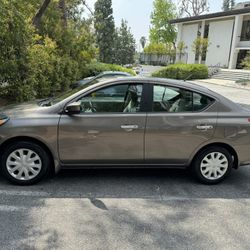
124,45
200,47
105,30
15,38
162,31
181,50
35,62
246,62
159,49
183,71
45,45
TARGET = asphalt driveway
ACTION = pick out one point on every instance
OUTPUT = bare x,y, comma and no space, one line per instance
126,209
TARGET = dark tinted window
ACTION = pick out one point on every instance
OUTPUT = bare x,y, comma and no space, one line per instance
245,32
170,99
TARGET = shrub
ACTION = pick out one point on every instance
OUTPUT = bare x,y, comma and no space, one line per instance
183,71
49,72
96,68
246,61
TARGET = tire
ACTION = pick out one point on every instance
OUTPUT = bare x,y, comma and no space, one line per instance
27,158
212,165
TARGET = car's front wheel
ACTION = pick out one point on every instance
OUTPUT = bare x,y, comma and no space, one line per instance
24,163
212,165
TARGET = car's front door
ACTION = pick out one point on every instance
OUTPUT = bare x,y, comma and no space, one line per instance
110,128
181,120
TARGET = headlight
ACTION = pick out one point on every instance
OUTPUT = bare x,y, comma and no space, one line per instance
3,119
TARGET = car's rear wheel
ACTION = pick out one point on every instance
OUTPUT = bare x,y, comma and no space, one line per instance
212,165
25,163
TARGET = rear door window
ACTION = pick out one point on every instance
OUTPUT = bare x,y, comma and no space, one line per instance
173,100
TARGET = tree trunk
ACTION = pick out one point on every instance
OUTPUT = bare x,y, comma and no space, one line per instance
38,17
174,57
62,7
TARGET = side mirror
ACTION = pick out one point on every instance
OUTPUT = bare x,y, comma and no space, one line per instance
73,108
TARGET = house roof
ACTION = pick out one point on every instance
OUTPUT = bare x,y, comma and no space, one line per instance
212,15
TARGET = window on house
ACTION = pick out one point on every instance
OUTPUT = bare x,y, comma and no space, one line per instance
245,33
206,31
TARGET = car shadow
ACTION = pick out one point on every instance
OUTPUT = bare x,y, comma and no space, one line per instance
136,183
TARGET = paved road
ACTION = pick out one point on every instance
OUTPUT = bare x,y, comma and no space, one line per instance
149,209
235,94
147,70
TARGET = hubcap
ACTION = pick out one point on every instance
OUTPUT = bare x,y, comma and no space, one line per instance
214,165
24,164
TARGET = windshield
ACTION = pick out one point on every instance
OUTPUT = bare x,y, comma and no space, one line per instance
54,100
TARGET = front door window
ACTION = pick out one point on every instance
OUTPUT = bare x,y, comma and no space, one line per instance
122,98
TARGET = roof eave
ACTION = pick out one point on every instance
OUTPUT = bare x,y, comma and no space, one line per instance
212,15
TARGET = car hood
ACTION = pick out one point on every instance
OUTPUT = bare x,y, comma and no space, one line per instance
22,109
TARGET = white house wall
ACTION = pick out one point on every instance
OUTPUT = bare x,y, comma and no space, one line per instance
220,35
189,34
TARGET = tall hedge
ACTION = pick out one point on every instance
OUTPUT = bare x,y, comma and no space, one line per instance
183,71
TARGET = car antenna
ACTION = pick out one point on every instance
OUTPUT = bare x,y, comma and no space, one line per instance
188,77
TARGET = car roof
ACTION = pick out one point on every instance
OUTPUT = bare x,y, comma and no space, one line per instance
155,80
114,73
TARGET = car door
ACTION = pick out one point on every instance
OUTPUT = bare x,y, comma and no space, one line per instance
109,130
180,121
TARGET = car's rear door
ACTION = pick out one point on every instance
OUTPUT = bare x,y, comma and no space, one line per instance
110,128
180,121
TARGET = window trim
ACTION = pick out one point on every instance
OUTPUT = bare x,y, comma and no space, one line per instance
184,88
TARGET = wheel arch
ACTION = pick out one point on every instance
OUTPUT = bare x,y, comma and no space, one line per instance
54,162
226,146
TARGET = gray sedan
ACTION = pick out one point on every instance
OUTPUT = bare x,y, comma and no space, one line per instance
126,122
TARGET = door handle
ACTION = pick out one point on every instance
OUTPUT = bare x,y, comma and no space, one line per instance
129,127
204,127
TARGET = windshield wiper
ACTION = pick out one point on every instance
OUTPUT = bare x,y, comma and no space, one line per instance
45,102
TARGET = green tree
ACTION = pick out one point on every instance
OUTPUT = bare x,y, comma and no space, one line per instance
15,38
38,17
156,49
228,5
181,47
124,44
105,30
37,62
200,47
246,61
162,31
